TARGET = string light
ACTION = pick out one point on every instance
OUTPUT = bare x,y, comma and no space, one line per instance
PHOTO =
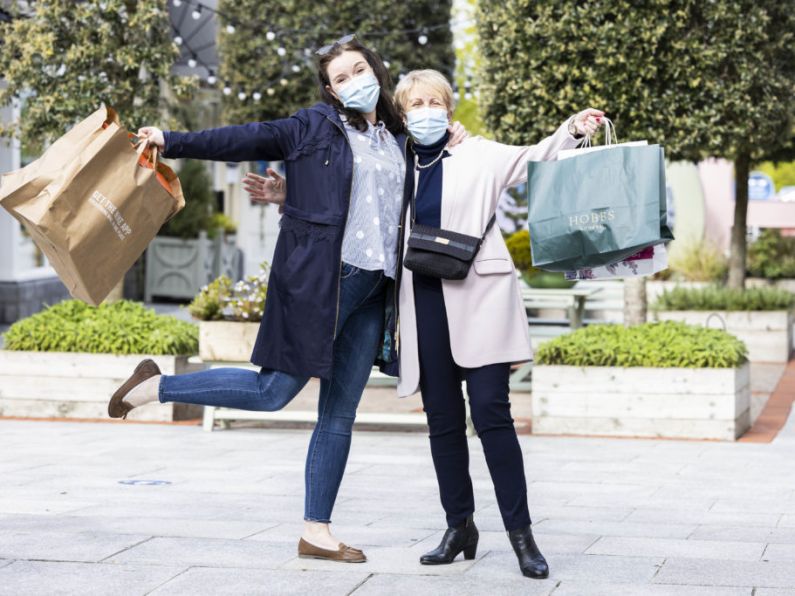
193,61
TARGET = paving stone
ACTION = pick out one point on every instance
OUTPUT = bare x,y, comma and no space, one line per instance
769,520
401,561
33,578
206,552
56,546
396,585
748,534
242,582
779,552
566,544
670,547
761,574
567,588
606,528
592,568
358,536
197,528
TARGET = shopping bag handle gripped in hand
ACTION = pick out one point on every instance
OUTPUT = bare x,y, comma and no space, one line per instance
611,138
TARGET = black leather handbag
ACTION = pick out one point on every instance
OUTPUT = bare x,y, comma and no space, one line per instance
439,253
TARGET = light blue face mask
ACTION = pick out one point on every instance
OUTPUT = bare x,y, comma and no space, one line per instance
361,93
427,125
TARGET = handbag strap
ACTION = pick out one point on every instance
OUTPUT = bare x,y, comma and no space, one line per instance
413,206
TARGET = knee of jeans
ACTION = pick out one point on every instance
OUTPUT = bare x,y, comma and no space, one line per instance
490,415
337,424
441,424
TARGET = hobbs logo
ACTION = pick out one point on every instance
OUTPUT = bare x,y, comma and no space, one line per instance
593,218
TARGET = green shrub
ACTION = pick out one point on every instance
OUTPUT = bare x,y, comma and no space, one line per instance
208,303
222,221
196,216
659,345
698,261
519,246
111,328
772,256
721,298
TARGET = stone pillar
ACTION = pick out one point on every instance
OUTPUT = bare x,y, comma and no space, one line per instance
24,288
9,227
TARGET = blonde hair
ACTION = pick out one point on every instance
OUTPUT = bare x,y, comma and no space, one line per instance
432,79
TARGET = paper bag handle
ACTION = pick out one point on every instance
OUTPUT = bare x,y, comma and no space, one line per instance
141,146
611,138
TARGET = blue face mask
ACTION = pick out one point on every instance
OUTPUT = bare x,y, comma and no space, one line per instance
361,93
427,125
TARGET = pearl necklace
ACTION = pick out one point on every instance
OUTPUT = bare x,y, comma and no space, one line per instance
429,164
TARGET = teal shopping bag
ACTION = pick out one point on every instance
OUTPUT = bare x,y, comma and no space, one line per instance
597,208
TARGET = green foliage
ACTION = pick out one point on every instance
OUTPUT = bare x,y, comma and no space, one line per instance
243,301
199,202
122,327
658,345
221,221
74,56
698,261
250,61
721,298
783,174
519,246
208,303
772,256
703,78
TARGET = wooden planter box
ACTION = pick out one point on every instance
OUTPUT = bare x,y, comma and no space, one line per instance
226,341
768,334
693,403
78,385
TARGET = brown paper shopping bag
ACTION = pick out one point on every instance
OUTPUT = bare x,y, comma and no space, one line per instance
92,203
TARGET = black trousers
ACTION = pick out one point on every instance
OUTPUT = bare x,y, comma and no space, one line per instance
487,386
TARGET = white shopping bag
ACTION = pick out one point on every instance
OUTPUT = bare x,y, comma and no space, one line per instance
649,261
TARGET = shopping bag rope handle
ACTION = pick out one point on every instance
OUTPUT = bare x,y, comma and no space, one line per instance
611,138
141,144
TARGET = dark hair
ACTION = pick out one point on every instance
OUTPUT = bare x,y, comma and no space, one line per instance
385,109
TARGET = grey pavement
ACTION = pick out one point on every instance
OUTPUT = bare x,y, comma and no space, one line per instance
104,508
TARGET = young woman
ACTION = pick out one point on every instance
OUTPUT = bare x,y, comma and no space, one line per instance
330,309
472,329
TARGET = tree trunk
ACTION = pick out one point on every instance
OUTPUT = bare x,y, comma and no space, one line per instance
634,301
739,229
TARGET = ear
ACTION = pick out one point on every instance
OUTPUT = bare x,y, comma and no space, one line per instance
333,93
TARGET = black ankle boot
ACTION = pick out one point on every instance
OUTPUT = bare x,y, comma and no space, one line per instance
531,561
455,540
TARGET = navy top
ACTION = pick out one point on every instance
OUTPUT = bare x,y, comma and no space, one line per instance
429,185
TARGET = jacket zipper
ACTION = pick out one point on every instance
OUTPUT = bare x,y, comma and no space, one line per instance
347,212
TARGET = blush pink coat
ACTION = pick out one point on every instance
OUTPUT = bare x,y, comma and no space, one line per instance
485,311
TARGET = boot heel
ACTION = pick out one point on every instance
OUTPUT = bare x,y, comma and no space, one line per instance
470,551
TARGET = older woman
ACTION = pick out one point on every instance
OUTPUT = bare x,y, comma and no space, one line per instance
470,329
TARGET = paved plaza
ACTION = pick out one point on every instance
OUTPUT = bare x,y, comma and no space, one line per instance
125,508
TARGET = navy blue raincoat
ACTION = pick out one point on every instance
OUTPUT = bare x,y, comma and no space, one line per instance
298,326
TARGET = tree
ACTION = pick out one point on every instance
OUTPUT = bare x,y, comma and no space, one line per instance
68,58
267,47
702,78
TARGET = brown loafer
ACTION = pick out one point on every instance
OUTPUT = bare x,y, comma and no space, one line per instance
117,407
345,554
